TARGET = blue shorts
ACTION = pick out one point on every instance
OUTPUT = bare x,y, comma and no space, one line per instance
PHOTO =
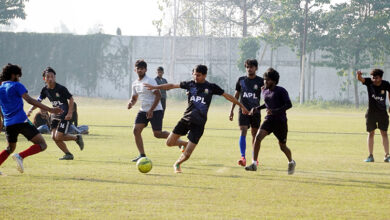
156,120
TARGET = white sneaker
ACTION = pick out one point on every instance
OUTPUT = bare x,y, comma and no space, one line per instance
291,167
19,162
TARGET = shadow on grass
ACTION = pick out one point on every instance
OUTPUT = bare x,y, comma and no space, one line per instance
95,180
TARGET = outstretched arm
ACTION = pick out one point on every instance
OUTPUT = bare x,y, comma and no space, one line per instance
235,101
360,77
34,102
236,95
162,86
132,101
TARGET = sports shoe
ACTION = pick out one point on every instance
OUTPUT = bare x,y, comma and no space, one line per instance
252,167
291,167
137,158
242,162
176,168
80,141
387,159
68,156
369,159
19,162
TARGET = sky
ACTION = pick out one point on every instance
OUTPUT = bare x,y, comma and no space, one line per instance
134,17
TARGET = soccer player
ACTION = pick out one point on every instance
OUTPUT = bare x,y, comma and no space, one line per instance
199,93
150,111
376,116
160,80
12,93
59,96
276,101
248,89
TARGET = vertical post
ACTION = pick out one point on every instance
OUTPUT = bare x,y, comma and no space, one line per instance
302,83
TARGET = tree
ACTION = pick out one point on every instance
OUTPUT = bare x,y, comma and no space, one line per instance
357,33
11,9
296,23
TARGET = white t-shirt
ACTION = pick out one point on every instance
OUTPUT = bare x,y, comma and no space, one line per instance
144,95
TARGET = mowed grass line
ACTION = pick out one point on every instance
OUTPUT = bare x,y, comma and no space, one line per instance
331,181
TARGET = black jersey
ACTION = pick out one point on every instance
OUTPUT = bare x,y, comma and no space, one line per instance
58,97
199,99
376,95
250,91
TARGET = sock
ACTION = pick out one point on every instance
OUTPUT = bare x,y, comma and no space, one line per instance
242,143
34,149
143,155
3,156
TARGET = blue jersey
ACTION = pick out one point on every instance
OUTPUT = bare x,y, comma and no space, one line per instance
199,99
11,102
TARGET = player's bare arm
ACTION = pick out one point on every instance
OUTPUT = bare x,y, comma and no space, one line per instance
70,110
34,102
30,111
163,86
157,99
132,101
236,95
359,76
235,101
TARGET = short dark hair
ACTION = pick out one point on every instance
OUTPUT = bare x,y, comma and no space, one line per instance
48,70
377,72
201,69
272,74
160,68
141,64
9,70
251,62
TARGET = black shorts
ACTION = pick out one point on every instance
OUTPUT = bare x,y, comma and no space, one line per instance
249,120
156,120
376,120
27,129
195,131
278,127
60,124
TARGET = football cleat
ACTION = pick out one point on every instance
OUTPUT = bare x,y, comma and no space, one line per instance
19,162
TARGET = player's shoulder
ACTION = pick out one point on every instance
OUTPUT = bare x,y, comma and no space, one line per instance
59,86
241,78
385,82
282,89
260,78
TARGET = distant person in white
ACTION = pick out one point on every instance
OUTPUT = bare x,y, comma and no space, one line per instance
151,109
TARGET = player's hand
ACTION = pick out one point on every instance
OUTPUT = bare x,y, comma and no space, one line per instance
29,113
244,110
56,111
129,105
252,111
269,112
359,73
149,87
68,117
149,114
231,115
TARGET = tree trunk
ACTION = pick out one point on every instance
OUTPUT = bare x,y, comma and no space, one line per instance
244,20
303,53
309,78
314,76
355,82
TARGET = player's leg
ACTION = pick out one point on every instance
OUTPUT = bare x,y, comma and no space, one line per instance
157,121
174,137
196,132
371,125
12,137
261,134
32,134
137,131
62,134
62,146
383,124
280,132
243,122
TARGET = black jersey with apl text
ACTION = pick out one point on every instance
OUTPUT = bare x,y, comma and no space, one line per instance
58,97
250,91
199,99
376,95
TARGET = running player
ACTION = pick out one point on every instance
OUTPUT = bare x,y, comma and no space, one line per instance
277,102
376,116
200,93
150,111
59,96
12,93
248,89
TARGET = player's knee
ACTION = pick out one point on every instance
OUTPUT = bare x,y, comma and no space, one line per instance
10,149
371,134
187,154
43,146
170,142
282,146
157,134
136,131
58,137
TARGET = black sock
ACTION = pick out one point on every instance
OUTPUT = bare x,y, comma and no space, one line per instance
143,155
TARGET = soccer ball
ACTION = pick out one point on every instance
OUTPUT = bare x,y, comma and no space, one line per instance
144,165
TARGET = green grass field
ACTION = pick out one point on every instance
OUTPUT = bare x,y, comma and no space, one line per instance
331,179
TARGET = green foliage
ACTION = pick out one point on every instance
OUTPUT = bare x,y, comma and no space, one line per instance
76,59
248,50
10,9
